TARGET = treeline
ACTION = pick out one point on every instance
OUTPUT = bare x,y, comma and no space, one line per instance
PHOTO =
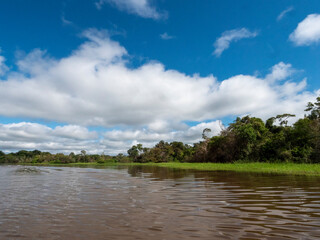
247,139
37,156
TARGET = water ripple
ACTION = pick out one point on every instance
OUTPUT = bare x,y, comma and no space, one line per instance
155,203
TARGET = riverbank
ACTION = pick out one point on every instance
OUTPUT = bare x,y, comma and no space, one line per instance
278,168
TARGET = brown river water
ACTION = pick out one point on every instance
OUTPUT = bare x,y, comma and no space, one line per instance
155,203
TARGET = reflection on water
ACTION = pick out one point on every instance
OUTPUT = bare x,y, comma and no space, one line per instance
155,203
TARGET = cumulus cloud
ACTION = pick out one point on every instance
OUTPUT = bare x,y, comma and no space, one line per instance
222,43
284,13
307,31
30,136
142,8
94,86
280,71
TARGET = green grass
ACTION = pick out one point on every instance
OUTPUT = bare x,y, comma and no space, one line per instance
280,168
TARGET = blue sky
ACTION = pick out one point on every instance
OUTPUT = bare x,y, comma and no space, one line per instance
102,75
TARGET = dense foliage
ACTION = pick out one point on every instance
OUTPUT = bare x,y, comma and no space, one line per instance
247,139
59,158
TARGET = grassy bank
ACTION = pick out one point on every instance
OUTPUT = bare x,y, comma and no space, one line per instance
280,168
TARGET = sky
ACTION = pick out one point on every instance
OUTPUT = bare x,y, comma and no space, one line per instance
103,75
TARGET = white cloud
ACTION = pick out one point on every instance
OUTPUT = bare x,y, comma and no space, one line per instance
280,71
65,21
71,138
94,87
307,31
284,13
30,136
3,67
124,139
166,36
222,43
142,8
74,132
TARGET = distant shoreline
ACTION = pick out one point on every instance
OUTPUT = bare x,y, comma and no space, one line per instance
276,168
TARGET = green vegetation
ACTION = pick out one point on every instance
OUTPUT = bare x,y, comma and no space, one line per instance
278,168
248,140
37,157
271,168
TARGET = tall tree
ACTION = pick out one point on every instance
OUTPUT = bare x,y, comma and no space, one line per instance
314,109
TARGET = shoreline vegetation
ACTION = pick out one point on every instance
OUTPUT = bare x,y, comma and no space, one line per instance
268,168
247,145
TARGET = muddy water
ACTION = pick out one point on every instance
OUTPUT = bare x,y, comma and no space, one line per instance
155,203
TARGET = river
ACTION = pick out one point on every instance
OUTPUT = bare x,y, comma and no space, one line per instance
155,203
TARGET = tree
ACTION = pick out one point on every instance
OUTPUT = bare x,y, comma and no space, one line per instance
2,157
303,136
283,118
201,148
135,151
250,135
314,109
205,132
222,148
178,149
83,157
270,123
